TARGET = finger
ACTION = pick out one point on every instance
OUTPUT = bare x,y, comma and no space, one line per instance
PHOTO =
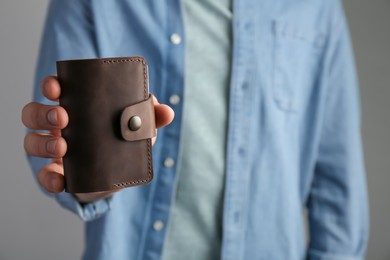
44,117
46,146
51,88
51,177
164,115
155,101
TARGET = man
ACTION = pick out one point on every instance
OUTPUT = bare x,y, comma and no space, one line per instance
266,126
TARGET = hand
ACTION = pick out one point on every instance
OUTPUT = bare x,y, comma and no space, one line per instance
38,116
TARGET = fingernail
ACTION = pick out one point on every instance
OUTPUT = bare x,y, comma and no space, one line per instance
52,117
51,146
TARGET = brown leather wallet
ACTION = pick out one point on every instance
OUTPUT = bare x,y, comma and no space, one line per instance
111,123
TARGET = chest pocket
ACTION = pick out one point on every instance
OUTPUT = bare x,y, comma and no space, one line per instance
297,56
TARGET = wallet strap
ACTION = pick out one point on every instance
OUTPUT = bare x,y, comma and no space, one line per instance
138,121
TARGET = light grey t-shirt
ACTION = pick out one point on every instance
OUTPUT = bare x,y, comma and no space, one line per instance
195,228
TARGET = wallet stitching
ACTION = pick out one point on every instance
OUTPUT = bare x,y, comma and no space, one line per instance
124,184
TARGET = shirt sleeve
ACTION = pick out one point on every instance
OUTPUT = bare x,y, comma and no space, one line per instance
68,34
338,207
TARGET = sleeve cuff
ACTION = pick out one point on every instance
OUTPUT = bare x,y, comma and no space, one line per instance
317,255
87,211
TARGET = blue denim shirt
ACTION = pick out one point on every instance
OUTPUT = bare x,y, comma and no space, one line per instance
293,136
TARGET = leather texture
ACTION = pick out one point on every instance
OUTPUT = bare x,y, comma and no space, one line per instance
100,97
148,126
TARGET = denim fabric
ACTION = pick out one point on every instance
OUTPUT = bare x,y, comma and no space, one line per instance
293,134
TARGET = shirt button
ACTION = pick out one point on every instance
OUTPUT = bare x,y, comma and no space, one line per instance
158,225
174,99
169,162
175,39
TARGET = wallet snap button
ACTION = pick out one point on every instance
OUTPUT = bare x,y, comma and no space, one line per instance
135,123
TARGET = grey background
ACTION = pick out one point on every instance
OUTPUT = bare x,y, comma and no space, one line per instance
34,227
